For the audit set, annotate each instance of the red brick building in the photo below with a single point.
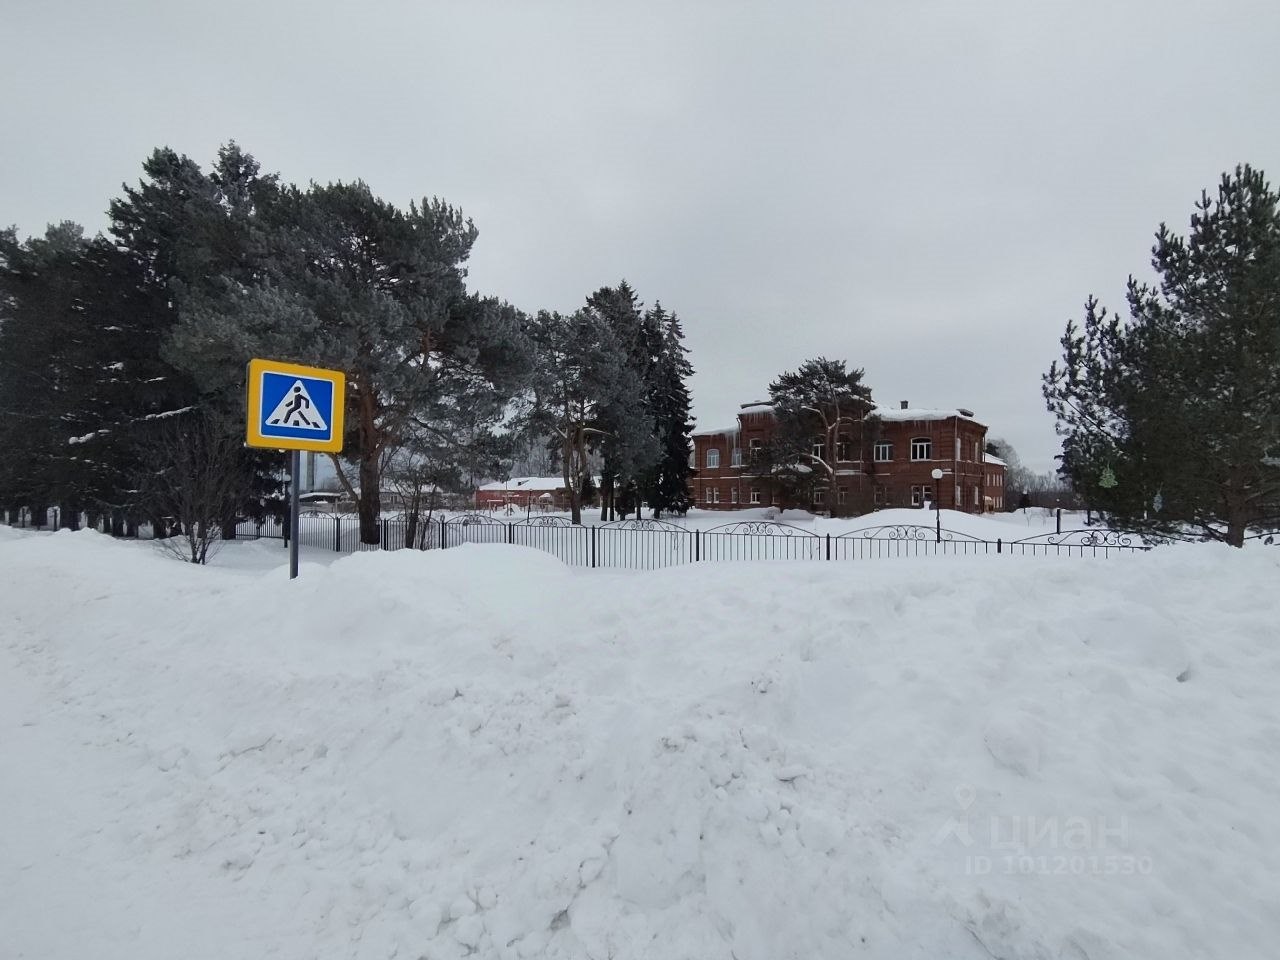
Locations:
(886, 459)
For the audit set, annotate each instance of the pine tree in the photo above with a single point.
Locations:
(189, 238)
(580, 374)
(350, 282)
(822, 412)
(667, 484)
(1170, 421)
(627, 439)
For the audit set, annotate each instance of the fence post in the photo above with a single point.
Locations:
(337, 534)
(511, 533)
(1059, 520)
(999, 545)
(828, 546)
(593, 547)
(697, 545)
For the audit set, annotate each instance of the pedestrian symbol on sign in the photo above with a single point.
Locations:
(295, 409)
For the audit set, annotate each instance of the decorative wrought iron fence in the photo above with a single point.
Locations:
(645, 544)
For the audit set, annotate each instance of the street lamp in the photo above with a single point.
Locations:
(937, 505)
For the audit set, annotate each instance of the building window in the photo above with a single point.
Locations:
(713, 459)
(977, 454)
(733, 494)
(921, 494)
(737, 457)
(706, 494)
(883, 451)
(977, 494)
(959, 497)
(957, 448)
(842, 495)
(819, 496)
(921, 448)
(819, 449)
(755, 495)
(755, 445)
(879, 495)
(842, 448)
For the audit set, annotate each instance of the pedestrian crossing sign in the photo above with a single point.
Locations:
(292, 407)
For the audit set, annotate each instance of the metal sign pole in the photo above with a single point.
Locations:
(295, 482)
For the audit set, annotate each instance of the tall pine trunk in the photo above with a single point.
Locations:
(370, 505)
(571, 488)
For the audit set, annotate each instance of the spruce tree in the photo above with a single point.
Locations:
(1171, 419)
(667, 483)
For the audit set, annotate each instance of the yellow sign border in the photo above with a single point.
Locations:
(253, 412)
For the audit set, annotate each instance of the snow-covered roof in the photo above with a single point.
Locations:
(722, 431)
(757, 408)
(525, 483)
(990, 458)
(899, 415)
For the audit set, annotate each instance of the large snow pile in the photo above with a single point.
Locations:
(483, 753)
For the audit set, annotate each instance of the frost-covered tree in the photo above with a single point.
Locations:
(1171, 419)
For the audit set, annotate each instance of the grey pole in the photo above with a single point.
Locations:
(295, 481)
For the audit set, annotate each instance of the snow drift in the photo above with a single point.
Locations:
(483, 753)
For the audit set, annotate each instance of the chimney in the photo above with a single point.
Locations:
(905, 404)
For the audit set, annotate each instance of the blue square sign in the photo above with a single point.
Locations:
(292, 407)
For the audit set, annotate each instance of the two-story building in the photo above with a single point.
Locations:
(885, 459)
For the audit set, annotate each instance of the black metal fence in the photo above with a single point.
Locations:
(652, 544)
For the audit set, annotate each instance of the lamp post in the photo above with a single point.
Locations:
(937, 505)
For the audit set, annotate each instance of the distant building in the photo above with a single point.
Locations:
(884, 460)
(547, 493)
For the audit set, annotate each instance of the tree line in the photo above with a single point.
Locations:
(123, 355)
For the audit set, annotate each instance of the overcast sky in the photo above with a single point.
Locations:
(927, 190)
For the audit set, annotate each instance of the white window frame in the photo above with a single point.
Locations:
(713, 458)
(921, 445)
(819, 496)
(883, 452)
(977, 496)
(706, 494)
(842, 448)
(733, 494)
(959, 495)
(842, 494)
(755, 495)
(957, 448)
(735, 458)
(819, 448)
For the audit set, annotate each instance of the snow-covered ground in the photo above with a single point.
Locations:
(481, 752)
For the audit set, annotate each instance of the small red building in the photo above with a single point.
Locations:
(885, 459)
